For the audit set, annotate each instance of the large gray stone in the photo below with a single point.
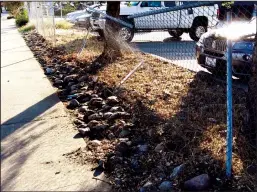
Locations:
(165, 186)
(198, 183)
(73, 104)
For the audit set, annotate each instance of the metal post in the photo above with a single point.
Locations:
(229, 103)
(36, 8)
(61, 9)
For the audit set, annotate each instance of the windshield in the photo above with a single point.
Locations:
(133, 3)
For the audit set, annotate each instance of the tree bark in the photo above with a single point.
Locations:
(111, 46)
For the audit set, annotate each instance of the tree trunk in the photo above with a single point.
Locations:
(111, 46)
(252, 97)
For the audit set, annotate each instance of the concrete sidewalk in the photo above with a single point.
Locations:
(35, 128)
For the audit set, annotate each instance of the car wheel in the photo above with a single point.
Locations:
(197, 30)
(126, 34)
(176, 33)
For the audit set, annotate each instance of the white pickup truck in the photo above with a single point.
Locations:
(194, 21)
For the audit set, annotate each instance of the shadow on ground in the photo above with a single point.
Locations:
(28, 115)
(13, 150)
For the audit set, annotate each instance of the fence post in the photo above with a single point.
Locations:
(229, 103)
(61, 9)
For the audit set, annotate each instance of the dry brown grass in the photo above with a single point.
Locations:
(73, 40)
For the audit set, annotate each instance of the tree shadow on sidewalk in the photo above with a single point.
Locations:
(10, 126)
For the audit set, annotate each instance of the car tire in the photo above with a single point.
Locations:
(176, 33)
(197, 30)
(126, 34)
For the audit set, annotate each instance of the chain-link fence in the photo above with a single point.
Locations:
(41, 14)
(189, 64)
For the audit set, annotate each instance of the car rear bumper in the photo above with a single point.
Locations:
(239, 67)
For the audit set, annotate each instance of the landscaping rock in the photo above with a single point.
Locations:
(83, 78)
(83, 109)
(78, 122)
(74, 96)
(87, 114)
(83, 98)
(73, 104)
(95, 116)
(112, 100)
(124, 133)
(84, 88)
(135, 164)
(198, 183)
(93, 123)
(148, 184)
(177, 171)
(89, 93)
(159, 148)
(49, 71)
(111, 136)
(106, 107)
(108, 115)
(94, 79)
(116, 108)
(251, 170)
(212, 120)
(74, 91)
(73, 87)
(84, 131)
(58, 82)
(117, 115)
(96, 102)
(70, 84)
(70, 78)
(117, 181)
(143, 148)
(94, 143)
(95, 96)
(165, 186)
(123, 149)
(100, 127)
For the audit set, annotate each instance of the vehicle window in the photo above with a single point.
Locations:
(151, 4)
(169, 3)
(154, 3)
(133, 3)
(187, 2)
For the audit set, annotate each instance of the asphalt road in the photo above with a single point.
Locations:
(180, 52)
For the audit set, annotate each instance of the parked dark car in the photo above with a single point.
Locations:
(211, 49)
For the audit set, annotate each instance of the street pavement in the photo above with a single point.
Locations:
(36, 130)
(180, 52)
